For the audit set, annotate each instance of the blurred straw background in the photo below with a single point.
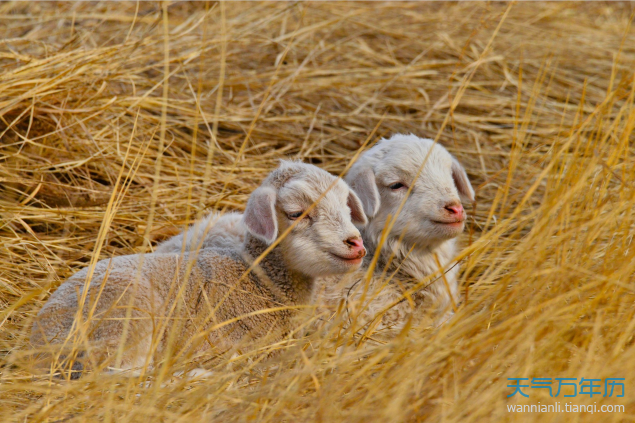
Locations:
(122, 122)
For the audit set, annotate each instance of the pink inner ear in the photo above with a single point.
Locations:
(357, 211)
(462, 182)
(260, 214)
(363, 183)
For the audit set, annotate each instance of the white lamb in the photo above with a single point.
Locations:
(427, 226)
(167, 307)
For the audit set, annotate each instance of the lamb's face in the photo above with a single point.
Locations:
(433, 212)
(325, 241)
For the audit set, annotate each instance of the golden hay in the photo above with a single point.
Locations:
(101, 154)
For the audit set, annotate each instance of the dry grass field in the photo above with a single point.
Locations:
(120, 123)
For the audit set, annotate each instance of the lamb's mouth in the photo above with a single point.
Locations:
(451, 223)
(350, 259)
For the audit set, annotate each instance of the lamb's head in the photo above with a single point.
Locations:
(433, 212)
(325, 240)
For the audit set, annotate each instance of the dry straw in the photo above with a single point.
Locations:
(122, 122)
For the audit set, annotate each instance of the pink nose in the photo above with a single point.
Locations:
(455, 209)
(356, 245)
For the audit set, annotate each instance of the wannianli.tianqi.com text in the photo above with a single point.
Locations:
(567, 387)
(564, 408)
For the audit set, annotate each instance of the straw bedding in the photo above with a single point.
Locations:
(122, 122)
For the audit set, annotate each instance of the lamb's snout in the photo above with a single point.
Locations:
(455, 210)
(356, 246)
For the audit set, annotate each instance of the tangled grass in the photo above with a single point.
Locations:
(122, 122)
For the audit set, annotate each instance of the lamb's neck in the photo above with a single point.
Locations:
(292, 286)
(416, 262)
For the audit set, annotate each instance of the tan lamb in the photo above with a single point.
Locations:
(155, 302)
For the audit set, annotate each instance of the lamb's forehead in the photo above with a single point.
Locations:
(404, 154)
(303, 183)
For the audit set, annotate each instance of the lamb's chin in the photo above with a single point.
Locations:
(340, 266)
(449, 230)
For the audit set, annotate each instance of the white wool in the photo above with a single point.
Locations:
(213, 231)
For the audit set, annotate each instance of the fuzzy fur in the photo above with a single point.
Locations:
(214, 231)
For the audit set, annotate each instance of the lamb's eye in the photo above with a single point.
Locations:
(396, 186)
(294, 216)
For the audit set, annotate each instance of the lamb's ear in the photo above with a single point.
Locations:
(462, 182)
(364, 185)
(357, 210)
(260, 214)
